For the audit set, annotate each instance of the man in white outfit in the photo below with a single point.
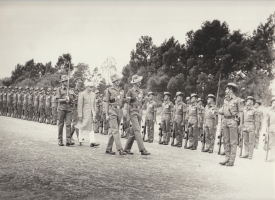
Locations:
(86, 114)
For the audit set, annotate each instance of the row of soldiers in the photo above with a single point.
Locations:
(33, 104)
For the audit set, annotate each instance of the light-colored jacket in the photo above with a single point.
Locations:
(86, 110)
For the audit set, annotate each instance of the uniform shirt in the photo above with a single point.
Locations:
(25, 99)
(98, 105)
(210, 115)
(135, 100)
(41, 100)
(19, 98)
(271, 117)
(150, 110)
(36, 100)
(14, 98)
(115, 97)
(48, 101)
(167, 107)
(258, 115)
(249, 115)
(180, 108)
(232, 107)
(30, 99)
(53, 101)
(4, 97)
(9, 97)
(193, 112)
(1, 96)
(61, 93)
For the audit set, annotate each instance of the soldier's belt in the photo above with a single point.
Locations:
(114, 106)
(167, 113)
(229, 117)
(134, 106)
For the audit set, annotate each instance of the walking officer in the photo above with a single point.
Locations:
(258, 122)
(114, 101)
(54, 107)
(25, 103)
(270, 119)
(166, 118)
(134, 114)
(41, 106)
(36, 105)
(232, 110)
(150, 117)
(78, 88)
(194, 117)
(64, 96)
(210, 123)
(248, 127)
(48, 110)
(179, 118)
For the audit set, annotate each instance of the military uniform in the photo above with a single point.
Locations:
(210, 125)
(48, 110)
(150, 118)
(258, 123)
(36, 105)
(41, 106)
(231, 109)
(270, 119)
(4, 101)
(248, 129)
(14, 102)
(19, 103)
(105, 122)
(179, 120)
(54, 107)
(166, 120)
(25, 103)
(1, 100)
(98, 108)
(9, 102)
(30, 105)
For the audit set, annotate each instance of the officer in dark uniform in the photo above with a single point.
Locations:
(232, 110)
(135, 99)
(97, 110)
(78, 88)
(64, 110)
(105, 122)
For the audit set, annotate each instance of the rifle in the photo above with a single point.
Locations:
(144, 132)
(160, 133)
(173, 135)
(101, 127)
(266, 140)
(220, 142)
(186, 136)
(203, 139)
(241, 141)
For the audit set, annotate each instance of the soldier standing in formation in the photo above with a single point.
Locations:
(114, 102)
(30, 104)
(248, 127)
(1, 99)
(14, 102)
(35, 105)
(270, 119)
(19, 102)
(64, 110)
(134, 114)
(194, 117)
(166, 118)
(5, 101)
(258, 122)
(25, 103)
(9, 101)
(48, 98)
(54, 107)
(150, 118)
(78, 88)
(232, 110)
(210, 123)
(179, 119)
(41, 106)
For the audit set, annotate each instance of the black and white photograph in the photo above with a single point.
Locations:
(137, 100)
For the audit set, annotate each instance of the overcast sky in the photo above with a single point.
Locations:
(93, 31)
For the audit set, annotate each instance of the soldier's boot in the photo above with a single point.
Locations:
(251, 149)
(230, 164)
(244, 156)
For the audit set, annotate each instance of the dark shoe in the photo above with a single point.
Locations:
(122, 153)
(144, 152)
(210, 151)
(193, 148)
(245, 156)
(110, 152)
(165, 143)
(68, 144)
(146, 140)
(223, 163)
(256, 147)
(150, 141)
(94, 144)
(123, 136)
(189, 147)
(160, 142)
(72, 143)
(179, 145)
(205, 150)
(222, 154)
(61, 144)
(129, 152)
(80, 143)
(230, 164)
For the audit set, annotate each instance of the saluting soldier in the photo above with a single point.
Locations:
(25, 103)
(258, 122)
(42, 102)
(270, 119)
(78, 88)
(36, 104)
(248, 127)
(166, 118)
(30, 104)
(5, 101)
(134, 114)
(9, 101)
(210, 122)
(179, 118)
(194, 116)
(97, 110)
(232, 110)
(54, 107)
(114, 101)
(1, 99)
(48, 112)
(150, 117)
(64, 110)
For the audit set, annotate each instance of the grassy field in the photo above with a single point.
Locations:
(33, 166)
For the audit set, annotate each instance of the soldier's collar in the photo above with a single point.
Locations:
(232, 96)
(249, 107)
(179, 102)
(115, 87)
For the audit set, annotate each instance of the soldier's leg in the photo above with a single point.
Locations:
(272, 142)
(212, 138)
(163, 127)
(207, 137)
(226, 139)
(150, 131)
(257, 134)
(68, 117)
(178, 134)
(246, 142)
(233, 129)
(251, 142)
(61, 117)
(114, 134)
(196, 136)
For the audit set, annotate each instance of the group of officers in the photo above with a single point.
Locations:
(119, 115)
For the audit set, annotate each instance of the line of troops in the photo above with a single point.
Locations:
(119, 112)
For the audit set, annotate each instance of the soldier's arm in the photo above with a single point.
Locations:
(240, 111)
(155, 112)
(107, 95)
(184, 109)
(58, 96)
